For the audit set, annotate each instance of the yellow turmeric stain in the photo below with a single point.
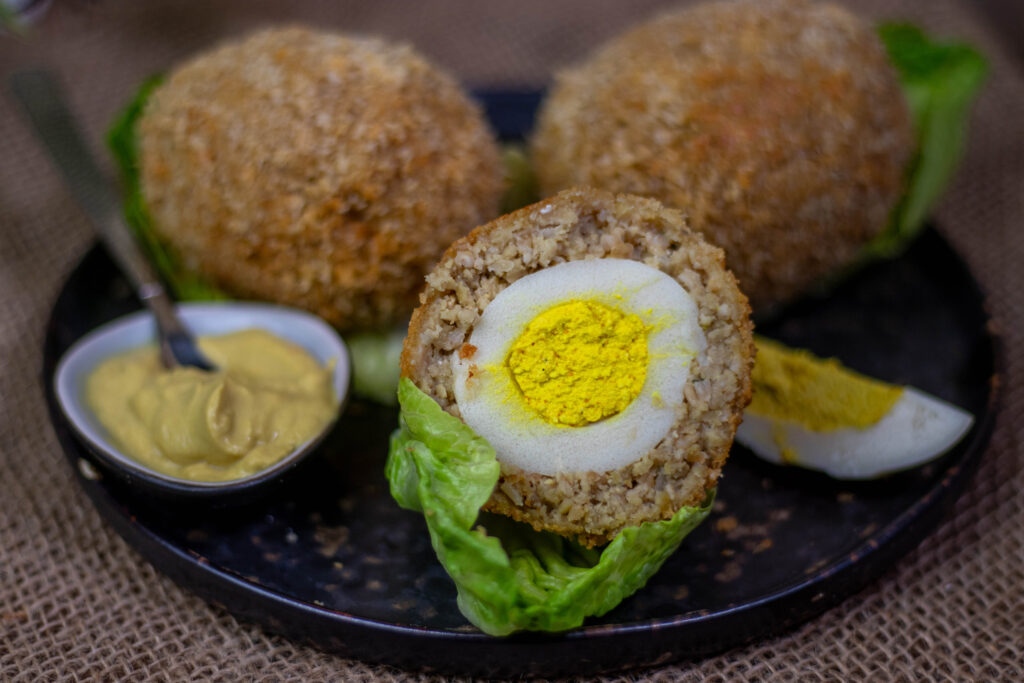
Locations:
(580, 362)
(820, 394)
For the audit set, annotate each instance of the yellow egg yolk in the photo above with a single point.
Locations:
(821, 394)
(580, 362)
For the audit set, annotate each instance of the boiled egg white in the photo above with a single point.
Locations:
(493, 404)
(915, 429)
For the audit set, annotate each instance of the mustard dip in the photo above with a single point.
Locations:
(266, 397)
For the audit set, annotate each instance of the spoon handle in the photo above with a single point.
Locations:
(40, 96)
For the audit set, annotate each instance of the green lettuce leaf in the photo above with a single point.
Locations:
(510, 577)
(11, 21)
(940, 81)
(521, 186)
(375, 363)
(184, 283)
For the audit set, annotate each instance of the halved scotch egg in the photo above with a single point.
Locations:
(600, 347)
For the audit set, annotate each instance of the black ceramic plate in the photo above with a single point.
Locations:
(330, 559)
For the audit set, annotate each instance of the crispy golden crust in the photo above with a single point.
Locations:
(318, 170)
(777, 126)
(588, 224)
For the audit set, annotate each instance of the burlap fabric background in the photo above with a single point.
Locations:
(77, 603)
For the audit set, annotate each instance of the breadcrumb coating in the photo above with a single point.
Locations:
(590, 224)
(318, 170)
(777, 126)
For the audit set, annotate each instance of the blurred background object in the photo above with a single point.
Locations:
(16, 15)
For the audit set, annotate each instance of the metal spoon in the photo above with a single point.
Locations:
(47, 110)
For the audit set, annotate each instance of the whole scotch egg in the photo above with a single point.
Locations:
(778, 126)
(601, 348)
(320, 170)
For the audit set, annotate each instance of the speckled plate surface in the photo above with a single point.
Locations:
(330, 559)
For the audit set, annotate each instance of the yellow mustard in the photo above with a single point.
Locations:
(266, 397)
(580, 362)
(821, 394)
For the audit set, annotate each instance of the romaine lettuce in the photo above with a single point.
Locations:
(510, 577)
(940, 81)
(520, 180)
(375, 360)
(187, 285)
